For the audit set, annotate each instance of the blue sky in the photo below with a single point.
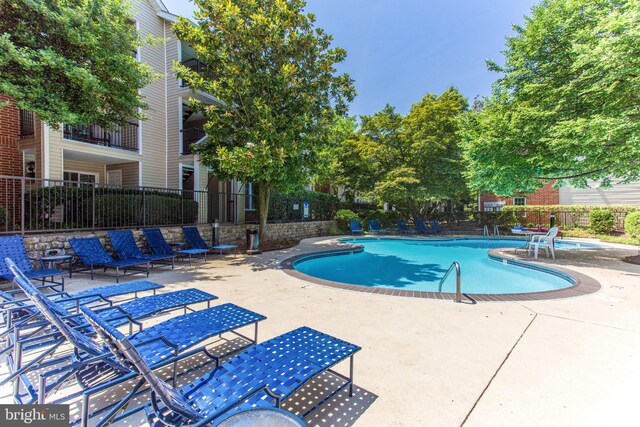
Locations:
(398, 50)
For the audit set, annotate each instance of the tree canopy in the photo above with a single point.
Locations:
(72, 61)
(567, 106)
(274, 73)
(411, 162)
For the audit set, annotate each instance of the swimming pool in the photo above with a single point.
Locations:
(420, 264)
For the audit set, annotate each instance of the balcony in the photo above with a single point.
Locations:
(199, 67)
(123, 137)
(27, 124)
(191, 136)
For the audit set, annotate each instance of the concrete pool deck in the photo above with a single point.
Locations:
(573, 361)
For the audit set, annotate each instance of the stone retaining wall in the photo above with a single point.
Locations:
(228, 234)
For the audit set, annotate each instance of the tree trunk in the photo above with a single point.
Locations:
(264, 191)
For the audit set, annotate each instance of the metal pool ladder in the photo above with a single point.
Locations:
(453, 265)
(496, 230)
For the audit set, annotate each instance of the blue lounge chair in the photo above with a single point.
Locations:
(93, 255)
(92, 364)
(355, 227)
(131, 312)
(421, 227)
(13, 247)
(13, 309)
(159, 246)
(264, 374)
(403, 228)
(195, 240)
(125, 246)
(374, 227)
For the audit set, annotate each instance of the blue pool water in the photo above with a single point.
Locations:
(419, 265)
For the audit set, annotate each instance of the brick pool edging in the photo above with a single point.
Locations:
(583, 284)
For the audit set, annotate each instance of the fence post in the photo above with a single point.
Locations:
(23, 188)
(182, 207)
(93, 207)
(144, 208)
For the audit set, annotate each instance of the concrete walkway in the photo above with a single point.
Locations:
(428, 362)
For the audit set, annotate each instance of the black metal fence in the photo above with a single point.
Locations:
(34, 205)
(124, 137)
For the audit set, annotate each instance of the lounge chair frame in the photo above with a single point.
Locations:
(159, 246)
(91, 254)
(13, 247)
(124, 244)
(282, 346)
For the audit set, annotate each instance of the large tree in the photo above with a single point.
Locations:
(274, 72)
(412, 162)
(72, 61)
(567, 107)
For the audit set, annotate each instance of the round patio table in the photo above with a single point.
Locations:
(51, 260)
(263, 417)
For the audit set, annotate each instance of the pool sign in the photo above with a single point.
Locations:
(305, 207)
(296, 207)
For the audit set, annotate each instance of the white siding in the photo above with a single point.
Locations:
(619, 194)
(174, 93)
(153, 130)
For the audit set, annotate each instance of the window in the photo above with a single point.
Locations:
(519, 201)
(249, 199)
(493, 206)
(81, 177)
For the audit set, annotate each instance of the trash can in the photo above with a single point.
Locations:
(253, 241)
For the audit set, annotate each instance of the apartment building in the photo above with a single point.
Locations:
(617, 194)
(547, 195)
(150, 153)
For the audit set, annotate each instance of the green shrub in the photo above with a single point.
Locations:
(503, 218)
(333, 231)
(602, 221)
(322, 206)
(632, 224)
(124, 210)
(343, 216)
(386, 219)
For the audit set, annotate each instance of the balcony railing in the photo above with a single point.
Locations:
(191, 136)
(199, 67)
(27, 124)
(123, 137)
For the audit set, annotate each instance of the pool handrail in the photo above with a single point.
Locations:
(453, 265)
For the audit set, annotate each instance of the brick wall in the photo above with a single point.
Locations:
(10, 155)
(10, 163)
(547, 195)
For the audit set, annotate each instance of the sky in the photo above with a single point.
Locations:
(398, 50)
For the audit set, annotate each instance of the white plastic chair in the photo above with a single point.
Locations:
(546, 241)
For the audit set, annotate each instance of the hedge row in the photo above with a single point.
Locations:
(322, 206)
